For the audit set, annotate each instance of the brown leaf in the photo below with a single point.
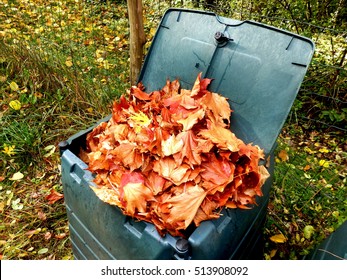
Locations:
(60, 235)
(182, 208)
(134, 193)
(54, 196)
(222, 137)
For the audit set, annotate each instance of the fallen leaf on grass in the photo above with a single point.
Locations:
(54, 196)
(15, 105)
(60, 236)
(14, 86)
(50, 149)
(17, 176)
(278, 238)
(30, 233)
(42, 251)
(308, 231)
(48, 235)
(283, 155)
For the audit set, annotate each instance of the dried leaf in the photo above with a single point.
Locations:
(17, 176)
(15, 105)
(171, 146)
(308, 231)
(182, 208)
(283, 155)
(14, 86)
(54, 196)
(42, 251)
(278, 238)
(134, 193)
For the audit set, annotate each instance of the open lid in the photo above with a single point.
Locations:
(259, 68)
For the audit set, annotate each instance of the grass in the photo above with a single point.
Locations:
(309, 191)
(69, 61)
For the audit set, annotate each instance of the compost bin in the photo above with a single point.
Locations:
(259, 69)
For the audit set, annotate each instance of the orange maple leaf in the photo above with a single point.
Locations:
(222, 137)
(169, 169)
(190, 149)
(182, 208)
(134, 193)
(54, 196)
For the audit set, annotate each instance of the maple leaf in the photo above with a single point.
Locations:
(222, 137)
(128, 155)
(138, 93)
(107, 195)
(182, 208)
(218, 171)
(200, 86)
(97, 161)
(156, 183)
(139, 120)
(92, 138)
(134, 193)
(218, 105)
(191, 119)
(168, 168)
(190, 149)
(118, 110)
(201, 216)
(171, 145)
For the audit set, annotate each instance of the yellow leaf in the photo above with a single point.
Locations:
(324, 163)
(140, 120)
(324, 150)
(106, 64)
(50, 150)
(68, 63)
(278, 238)
(17, 176)
(15, 105)
(14, 86)
(308, 231)
(273, 253)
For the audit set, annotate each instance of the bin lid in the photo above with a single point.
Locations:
(259, 68)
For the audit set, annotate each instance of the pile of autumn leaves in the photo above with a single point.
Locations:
(169, 157)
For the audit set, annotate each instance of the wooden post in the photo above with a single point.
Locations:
(137, 38)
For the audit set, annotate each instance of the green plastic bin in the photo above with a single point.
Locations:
(259, 68)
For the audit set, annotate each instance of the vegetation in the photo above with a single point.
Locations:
(62, 63)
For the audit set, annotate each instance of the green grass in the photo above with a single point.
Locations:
(309, 190)
(70, 61)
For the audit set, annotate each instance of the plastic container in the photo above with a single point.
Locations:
(259, 69)
(334, 247)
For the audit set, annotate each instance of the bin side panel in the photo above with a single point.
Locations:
(101, 231)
